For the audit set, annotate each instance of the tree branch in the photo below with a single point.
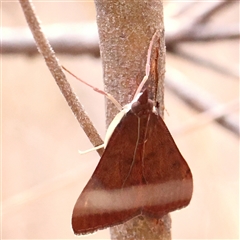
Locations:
(69, 40)
(125, 30)
(73, 39)
(197, 98)
(56, 70)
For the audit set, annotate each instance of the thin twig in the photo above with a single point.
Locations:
(205, 34)
(210, 9)
(187, 30)
(56, 70)
(69, 41)
(204, 61)
(197, 98)
(72, 39)
(206, 117)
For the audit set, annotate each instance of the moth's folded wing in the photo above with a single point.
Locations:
(106, 201)
(168, 176)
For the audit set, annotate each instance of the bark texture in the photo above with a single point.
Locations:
(125, 31)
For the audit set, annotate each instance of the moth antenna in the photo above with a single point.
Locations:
(109, 96)
(147, 69)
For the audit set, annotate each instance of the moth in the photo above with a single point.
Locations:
(140, 172)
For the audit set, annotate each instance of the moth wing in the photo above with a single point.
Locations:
(106, 200)
(169, 183)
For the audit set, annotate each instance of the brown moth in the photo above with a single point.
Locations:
(140, 172)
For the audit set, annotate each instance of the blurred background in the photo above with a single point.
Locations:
(42, 171)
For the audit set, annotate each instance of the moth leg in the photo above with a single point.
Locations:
(92, 149)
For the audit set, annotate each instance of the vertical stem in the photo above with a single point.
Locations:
(125, 30)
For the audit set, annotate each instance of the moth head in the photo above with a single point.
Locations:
(142, 105)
